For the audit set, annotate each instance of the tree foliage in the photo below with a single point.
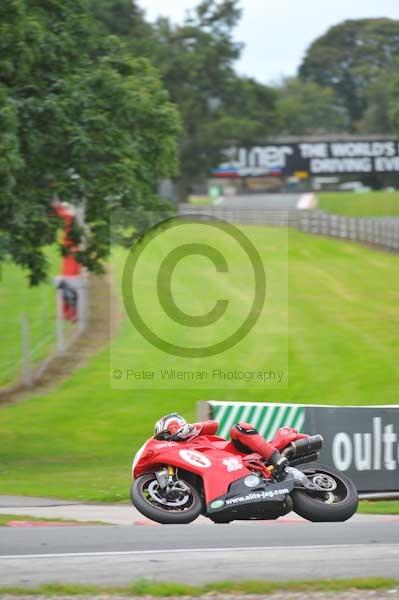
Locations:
(381, 114)
(82, 119)
(304, 108)
(349, 57)
(89, 92)
(249, 111)
(218, 107)
(125, 19)
(196, 61)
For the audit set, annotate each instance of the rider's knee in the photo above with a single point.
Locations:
(241, 436)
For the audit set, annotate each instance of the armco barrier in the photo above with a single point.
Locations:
(362, 442)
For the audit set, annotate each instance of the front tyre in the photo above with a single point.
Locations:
(177, 506)
(337, 499)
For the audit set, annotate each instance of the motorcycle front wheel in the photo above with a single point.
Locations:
(176, 506)
(336, 500)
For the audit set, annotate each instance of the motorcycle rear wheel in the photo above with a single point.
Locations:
(151, 501)
(339, 504)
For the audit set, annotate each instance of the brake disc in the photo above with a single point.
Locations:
(324, 482)
(154, 491)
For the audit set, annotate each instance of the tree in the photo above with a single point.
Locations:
(394, 103)
(195, 61)
(249, 109)
(80, 118)
(218, 107)
(305, 108)
(349, 57)
(382, 102)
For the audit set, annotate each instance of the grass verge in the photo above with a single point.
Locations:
(201, 200)
(351, 204)
(5, 519)
(390, 507)
(164, 590)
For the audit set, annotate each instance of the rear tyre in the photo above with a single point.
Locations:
(181, 507)
(335, 504)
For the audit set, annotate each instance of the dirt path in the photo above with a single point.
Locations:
(97, 335)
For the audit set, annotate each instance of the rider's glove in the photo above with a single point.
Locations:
(185, 432)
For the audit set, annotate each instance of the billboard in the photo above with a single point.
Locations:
(362, 442)
(322, 158)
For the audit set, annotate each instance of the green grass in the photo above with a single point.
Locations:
(39, 306)
(78, 441)
(379, 508)
(165, 590)
(5, 519)
(351, 204)
(201, 200)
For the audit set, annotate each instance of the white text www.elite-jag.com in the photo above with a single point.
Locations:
(257, 496)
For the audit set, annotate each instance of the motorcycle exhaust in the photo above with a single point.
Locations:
(304, 460)
(303, 447)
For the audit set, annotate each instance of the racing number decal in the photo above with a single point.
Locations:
(194, 458)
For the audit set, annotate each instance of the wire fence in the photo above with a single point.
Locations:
(27, 322)
(33, 329)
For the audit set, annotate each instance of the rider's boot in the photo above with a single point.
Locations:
(247, 439)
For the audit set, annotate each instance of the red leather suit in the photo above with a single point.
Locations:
(244, 436)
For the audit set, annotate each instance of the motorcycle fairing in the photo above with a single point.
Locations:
(265, 500)
(213, 460)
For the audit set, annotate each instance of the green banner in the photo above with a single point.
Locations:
(267, 418)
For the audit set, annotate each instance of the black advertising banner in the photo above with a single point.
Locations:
(314, 158)
(361, 442)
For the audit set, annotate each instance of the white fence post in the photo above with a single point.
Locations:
(370, 230)
(26, 357)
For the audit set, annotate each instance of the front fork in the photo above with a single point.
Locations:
(165, 477)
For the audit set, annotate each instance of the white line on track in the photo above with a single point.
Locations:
(191, 550)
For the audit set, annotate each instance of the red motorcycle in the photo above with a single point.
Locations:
(176, 482)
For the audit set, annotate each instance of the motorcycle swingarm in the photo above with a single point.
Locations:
(301, 481)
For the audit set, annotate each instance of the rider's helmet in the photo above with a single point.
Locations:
(173, 427)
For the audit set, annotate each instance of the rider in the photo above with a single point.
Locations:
(244, 436)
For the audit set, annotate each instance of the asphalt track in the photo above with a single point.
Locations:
(201, 552)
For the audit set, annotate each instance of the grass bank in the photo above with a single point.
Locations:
(343, 312)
